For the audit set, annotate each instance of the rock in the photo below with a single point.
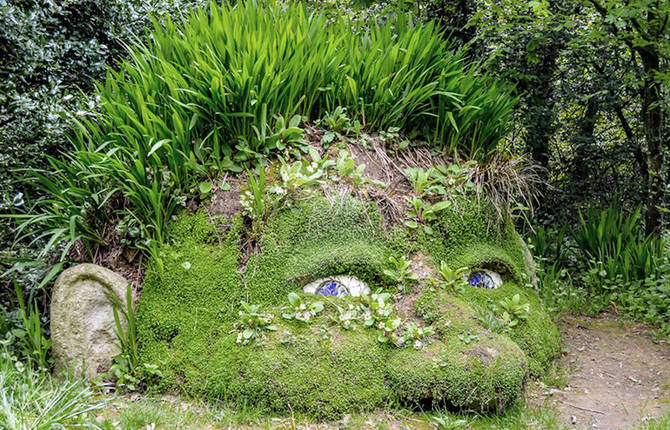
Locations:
(82, 319)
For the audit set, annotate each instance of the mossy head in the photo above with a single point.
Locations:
(422, 310)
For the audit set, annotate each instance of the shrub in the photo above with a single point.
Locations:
(606, 260)
(616, 243)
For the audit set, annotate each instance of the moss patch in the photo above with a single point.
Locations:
(315, 239)
(537, 336)
(464, 238)
(485, 375)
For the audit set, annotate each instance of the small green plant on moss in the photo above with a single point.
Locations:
(261, 200)
(417, 336)
(377, 313)
(302, 311)
(346, 317)
(421, 212)
(468, 338)
(253, 324)
(453, 278)
(205, 189)
(346, 166)
(514, 310)
(490, 321)
(400, 272)
(386, 331)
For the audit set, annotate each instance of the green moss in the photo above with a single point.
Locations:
(483, 376)
(463, 237)
(323, 378)
(427, 305)
(315, 239)
(537, 335)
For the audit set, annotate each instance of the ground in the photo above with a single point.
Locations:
(614, 374)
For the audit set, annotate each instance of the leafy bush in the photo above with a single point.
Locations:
(52, 52)
(616, 243)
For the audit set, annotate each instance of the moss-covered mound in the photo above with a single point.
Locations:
(469, 356)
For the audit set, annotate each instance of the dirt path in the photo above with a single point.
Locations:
(617, 377)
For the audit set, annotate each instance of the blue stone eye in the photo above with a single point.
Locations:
(482, 280)
(332, 288)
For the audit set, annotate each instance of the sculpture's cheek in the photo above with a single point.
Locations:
(486, 375)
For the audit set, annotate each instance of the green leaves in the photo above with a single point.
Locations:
(252, 324)
(301, 311)
(205, 188)
(34, 342)
(127, 363)
(615, 242)
(230, 87)
(514, 310)
(453, 278)
(401, 272)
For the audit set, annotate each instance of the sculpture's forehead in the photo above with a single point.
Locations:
(347, 232)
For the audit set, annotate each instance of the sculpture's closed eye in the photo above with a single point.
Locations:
(485, 279)
(338, 286)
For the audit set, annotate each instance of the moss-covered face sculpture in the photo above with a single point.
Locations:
(241, 328)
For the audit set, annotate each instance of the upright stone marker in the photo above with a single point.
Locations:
(82, 319)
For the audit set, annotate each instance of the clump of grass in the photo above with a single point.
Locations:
(30, 399)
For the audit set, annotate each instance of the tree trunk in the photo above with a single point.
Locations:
(652, 121)
(582, 142)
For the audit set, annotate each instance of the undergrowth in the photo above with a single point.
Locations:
(606, 262)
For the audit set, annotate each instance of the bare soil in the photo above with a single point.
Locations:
(226, 202)
(617, 375)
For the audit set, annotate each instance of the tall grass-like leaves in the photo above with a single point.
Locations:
(616, 240)
(32, 400)
(35, 344)
(76, 197)
(197, 89)
(127, 336)
(210, 92)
